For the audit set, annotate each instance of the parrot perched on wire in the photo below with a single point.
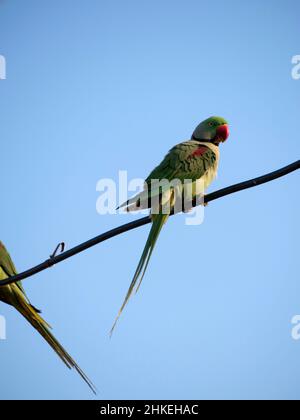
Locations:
(14, 295)
(194, 160)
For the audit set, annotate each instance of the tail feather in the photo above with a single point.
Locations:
(148, 197)
(157, 223)
(43, 328)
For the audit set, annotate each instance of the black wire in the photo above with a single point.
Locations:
(55, 259)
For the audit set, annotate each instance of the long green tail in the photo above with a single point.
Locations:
(158, 220)
(20, 303)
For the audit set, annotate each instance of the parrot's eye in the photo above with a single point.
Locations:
(211, 124)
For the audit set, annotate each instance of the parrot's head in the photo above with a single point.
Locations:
(214, 130)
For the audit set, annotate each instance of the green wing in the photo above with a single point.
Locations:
(6, 262)
(183, 163)
(7, 265)
(187, 160)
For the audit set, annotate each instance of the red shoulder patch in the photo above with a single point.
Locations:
(199, 151)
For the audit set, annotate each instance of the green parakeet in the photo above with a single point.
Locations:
(194, 160)
(15, 296)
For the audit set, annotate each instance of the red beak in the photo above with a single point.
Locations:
(223, 132)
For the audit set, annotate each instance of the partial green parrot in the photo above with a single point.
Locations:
(15, 296)
(194, 160)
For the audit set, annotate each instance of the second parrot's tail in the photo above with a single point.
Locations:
(32, 316)
(158, 220)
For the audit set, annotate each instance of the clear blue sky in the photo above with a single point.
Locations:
(95, 87)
